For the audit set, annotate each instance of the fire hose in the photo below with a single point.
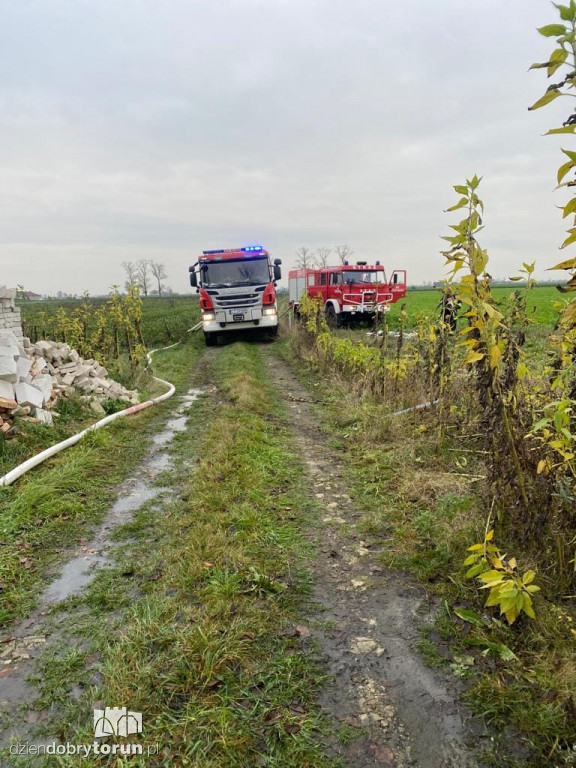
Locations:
(418, 407)
(34, 461)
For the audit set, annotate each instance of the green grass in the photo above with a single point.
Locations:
(425, 302)
(211, 584)
(429, 651)
(52, 506)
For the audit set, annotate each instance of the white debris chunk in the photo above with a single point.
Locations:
(28, 395)
(8, 369)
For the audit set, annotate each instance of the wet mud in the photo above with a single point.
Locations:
(367, 627)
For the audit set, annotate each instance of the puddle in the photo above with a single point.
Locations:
(160, 462)
(92, 556)
(177, 423)
(76, 574)
(81, 570)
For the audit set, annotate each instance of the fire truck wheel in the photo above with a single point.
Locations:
(210, 339)
(331, 317)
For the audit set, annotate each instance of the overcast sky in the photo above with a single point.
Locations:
(157, 128)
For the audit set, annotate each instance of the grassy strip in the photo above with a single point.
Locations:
(208, 651)
(423, 505)
(52, 506)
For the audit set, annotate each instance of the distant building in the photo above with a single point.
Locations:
(31, 296)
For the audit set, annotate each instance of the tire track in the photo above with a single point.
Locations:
(407, 713)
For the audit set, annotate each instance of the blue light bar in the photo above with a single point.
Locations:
(251, 248)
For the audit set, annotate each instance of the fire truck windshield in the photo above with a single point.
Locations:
(361, 276)
(231, 272)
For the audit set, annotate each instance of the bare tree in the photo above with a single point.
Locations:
(143, 274)
(304, 258)
(321, 257)
(159, 273)
(344, 252)
(131, 274)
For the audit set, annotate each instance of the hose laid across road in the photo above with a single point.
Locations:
(26, 466)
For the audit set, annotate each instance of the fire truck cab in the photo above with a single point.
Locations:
(348, 291)
(237, 288)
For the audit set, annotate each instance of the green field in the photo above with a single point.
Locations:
(165, 320)
(425, 302)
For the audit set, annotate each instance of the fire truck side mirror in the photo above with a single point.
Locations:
(277, 271)
(193, 278)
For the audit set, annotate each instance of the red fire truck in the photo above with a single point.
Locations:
(237, 288)
(348, 291)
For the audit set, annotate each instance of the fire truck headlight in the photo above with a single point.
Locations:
(269, 311)
(208, 316)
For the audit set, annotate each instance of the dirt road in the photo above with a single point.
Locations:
(372, 617)
(386, 707)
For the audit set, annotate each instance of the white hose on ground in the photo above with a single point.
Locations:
(26, 466)
(428, 404)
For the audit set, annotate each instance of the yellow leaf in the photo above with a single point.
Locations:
(492, 577)
(568, 264)
(473, 357)
(495, 355)
(512, 615)
(569, 240)
(512, 563)
(528, 609)
(564, 169)
(489, 536)
(543, 100)
(569, 208)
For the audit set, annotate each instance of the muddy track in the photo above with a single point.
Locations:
(371, 617)
(25, 641)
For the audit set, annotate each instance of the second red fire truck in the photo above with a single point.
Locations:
(348, 291)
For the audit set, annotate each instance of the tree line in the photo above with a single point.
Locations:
(143, 273)
(306, 258)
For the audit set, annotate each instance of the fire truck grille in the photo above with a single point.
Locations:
(238, 300)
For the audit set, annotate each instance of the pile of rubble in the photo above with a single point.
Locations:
(33, 377)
